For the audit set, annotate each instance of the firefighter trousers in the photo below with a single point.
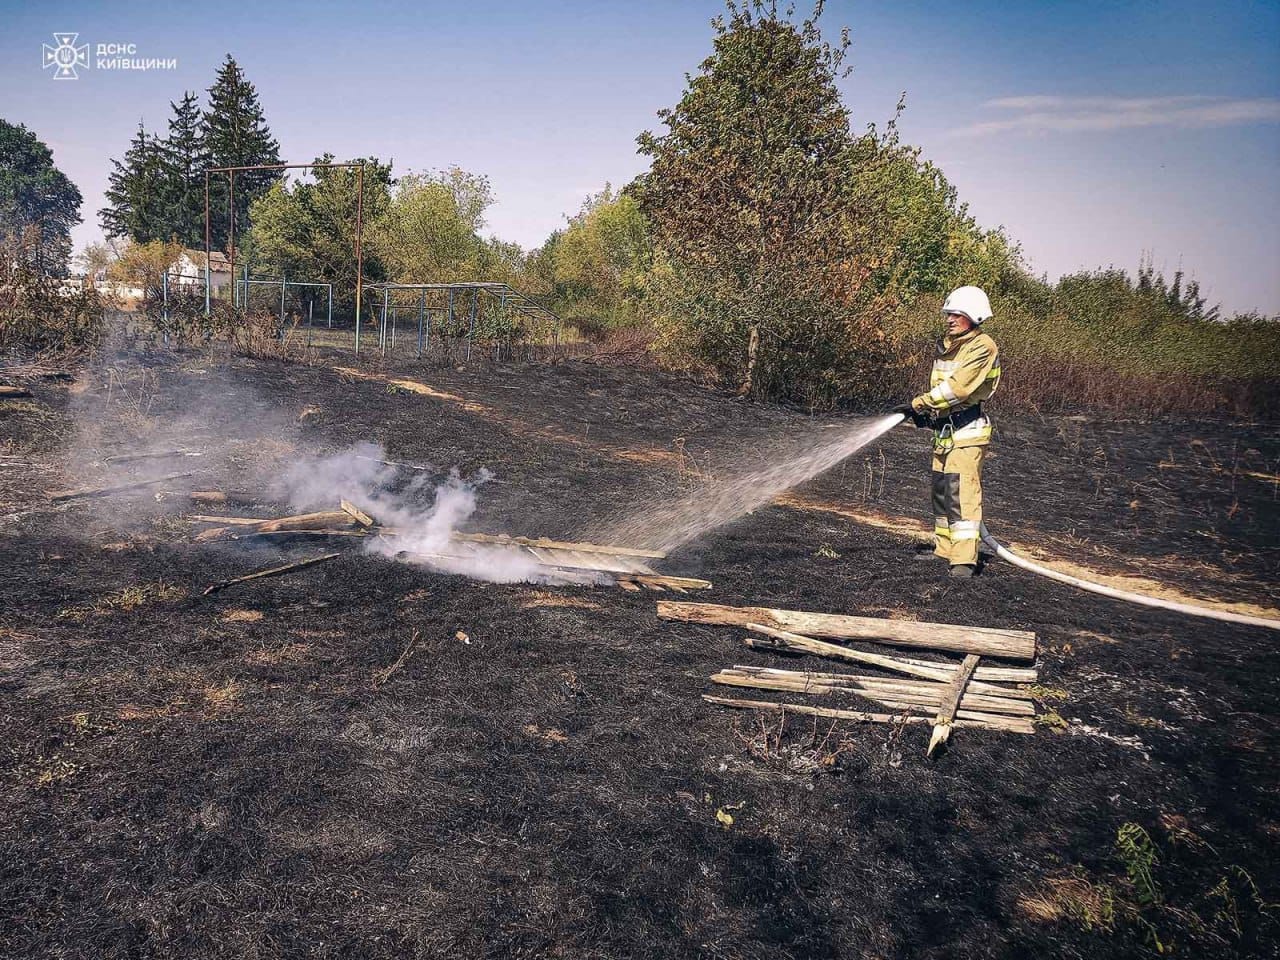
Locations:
(957, 503)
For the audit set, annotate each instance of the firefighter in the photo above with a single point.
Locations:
(966, 371)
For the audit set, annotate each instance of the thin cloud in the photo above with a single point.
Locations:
(1048, 114)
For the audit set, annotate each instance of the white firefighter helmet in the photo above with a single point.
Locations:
(970, 301)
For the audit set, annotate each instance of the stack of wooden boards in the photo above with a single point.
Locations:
(626, 567)
(942, 692)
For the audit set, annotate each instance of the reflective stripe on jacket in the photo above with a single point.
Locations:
(965, 372)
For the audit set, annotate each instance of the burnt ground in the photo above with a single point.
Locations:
(241, 776)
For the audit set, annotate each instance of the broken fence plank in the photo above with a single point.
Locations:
(915, 695)
(13, 393)
(358, 515)
(986, 641)
(946, 717)
(559, 545)
(930, 686)
(93, 492)
(270, 572)
(231, 521)
(940, 673)
(1011, 725)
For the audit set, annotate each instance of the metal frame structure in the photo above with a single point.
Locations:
(242, 287)
(507, 296)
(231, 231)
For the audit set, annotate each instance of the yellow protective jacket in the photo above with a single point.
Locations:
(965, 372)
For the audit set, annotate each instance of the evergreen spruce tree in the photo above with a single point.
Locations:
(136, 192)
(184, 162)
(236, 134)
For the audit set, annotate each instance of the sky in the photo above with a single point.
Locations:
(1094, 133)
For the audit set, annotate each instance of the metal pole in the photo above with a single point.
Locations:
(310, 311)
(164, 309)
(231, 235)
(422, 309)
(330, 306)
(359, 251)
(282, 298)
(502, 315)
(207, 278)
(382, 337)
(471, 327)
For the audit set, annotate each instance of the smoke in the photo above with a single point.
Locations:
(421, 509)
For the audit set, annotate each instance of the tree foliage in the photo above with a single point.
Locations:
(431, 229)
(236, 134)
(35, 196)
(307, 229)
(156, 189)
(764, 218)
(600, 262)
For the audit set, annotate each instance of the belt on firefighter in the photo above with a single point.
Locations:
(959, 418)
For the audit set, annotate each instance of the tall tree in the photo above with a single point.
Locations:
(747, 195)
(36, 196)
(136, 192)
(236, 134)
(185, 158)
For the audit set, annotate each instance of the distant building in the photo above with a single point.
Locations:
(188, 271)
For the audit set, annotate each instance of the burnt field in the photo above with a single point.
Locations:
(368, 758)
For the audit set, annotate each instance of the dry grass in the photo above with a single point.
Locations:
(124, 601)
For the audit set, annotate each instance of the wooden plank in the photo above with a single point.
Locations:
(358, 515)
(986, 641)
(616, 551)
(322, 520)
(93, 492)
(946, 717)
(1006, 724)
(230, 521)
(992, 674)
(13, 393)
(794, 642)
(673, 583)
(873, 691)
(928, 686)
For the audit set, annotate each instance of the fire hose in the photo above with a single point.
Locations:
(1188, 609)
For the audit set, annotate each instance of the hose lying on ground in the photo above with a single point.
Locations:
(1186, 608)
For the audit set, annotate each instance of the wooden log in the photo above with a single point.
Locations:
(269, 572)
(13, 393)
(915, 695)
(946, 717)
(616, 551)
(1012, 644)
(1006, 724)
(93, 492)
(358, 515)
(782, 641)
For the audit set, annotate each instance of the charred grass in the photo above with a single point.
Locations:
(369, 759)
